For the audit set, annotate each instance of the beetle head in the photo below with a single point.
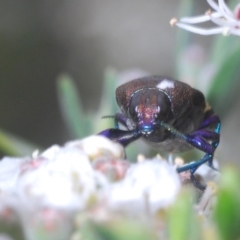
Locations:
(147, 108)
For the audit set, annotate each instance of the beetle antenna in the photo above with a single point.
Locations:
(172, 130)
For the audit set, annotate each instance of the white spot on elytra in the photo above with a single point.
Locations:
(165, 84)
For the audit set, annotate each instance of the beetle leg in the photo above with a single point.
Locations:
(124, 137)
(206, 134)
(195, 139)
(213, 119)
(199, 142)
(192, 167)
(214, 137)
(121, 136)
(120, 118)
(199, 139)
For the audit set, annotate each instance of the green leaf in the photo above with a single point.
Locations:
(108, 105)
(71, 107)
(117, 230)
(109, 87)
(6, 146)
(222, 48)
(182, 222)
(15, 146)
(227, 211)
(225, 86)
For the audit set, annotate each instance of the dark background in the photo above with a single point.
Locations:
(41, 39)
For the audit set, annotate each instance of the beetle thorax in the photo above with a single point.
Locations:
(148, 107)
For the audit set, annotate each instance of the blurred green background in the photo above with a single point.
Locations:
(40, 40)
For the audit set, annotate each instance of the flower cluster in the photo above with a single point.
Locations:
(227, 21)
(44, 192)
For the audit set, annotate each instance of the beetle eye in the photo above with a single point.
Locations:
(164, 105)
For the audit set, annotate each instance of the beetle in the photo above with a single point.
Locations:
(168, 115)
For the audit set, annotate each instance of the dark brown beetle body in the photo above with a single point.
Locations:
(186, 109)
(167, 114)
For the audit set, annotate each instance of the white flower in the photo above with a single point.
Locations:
(98, 147)
(147, 187)
(10, 169)
(227, 21)
(208, 174)
(66, 180)
(60, 177)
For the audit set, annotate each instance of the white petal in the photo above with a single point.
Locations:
(98, 146)
(208, 174)
(66, 181)
(234, 31)
(213, 5)
(202, 31)
(199, 19)
(225, 23)
(224, 7)
(148, 186)
(10, 168)
(49, 153)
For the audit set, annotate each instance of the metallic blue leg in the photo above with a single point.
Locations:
(202, 139)
(120, 118)
(192, 167)
(121, 136)
(213, 119)
(124, 137)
